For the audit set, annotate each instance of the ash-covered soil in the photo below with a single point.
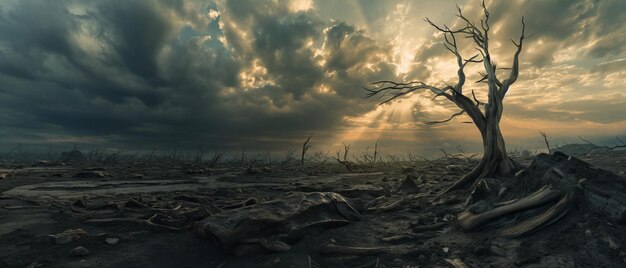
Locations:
(129, 215)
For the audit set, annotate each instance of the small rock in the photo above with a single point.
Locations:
(502, 191)
(68, 236)
(408, 186)
(3, 176)
(79, 252)
(445, 249)
(112, 240)
(136, 175)
(612, 244)
(588, 233)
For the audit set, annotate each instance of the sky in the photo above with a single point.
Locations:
(262, 75)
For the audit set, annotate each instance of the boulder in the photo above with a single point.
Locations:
(286, 218)
(68, 236)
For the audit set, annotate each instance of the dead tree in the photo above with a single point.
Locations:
(305, 147)
(375, 151)
(486, 116)
(545, 139)
(346, 149)
(289, 156)
(619, 145)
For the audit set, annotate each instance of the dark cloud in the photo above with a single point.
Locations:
(150, 73)
(257, 74)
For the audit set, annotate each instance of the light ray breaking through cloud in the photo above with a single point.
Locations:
(263, 74)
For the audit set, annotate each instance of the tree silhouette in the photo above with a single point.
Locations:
(486, 116)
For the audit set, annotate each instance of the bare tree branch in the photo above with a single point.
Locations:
(545, 139)
(445, 120)
(603, 147)
(515, 67)
(305, 147)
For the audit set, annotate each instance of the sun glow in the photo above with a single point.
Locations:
(301, 5)
(398, 115)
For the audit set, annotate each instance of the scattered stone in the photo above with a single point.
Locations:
(502, 191)
(79, 252)
(612, 244)
(408, 186)
(68, 236)
(111, 240)
(3, 176)
(588, 233)
(42, 163)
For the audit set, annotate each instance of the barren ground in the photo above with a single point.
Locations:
(37, 202)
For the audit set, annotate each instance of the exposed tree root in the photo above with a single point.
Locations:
(551, 215)
(563, 181)
(469, 221)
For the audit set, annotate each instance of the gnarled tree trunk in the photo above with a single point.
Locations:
(486, 116)
(495, 160)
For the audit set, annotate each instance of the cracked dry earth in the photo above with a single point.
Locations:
(143, 215)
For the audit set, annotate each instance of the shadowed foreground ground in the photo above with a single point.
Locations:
(400, 225)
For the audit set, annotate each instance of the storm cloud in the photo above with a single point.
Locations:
(262, 74)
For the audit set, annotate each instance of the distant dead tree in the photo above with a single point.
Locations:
(305, 147)
(486, 116)
(346, 149)
(619, 145)
(375, 151)
(371, 157)
(545, 139)
(289, 156)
